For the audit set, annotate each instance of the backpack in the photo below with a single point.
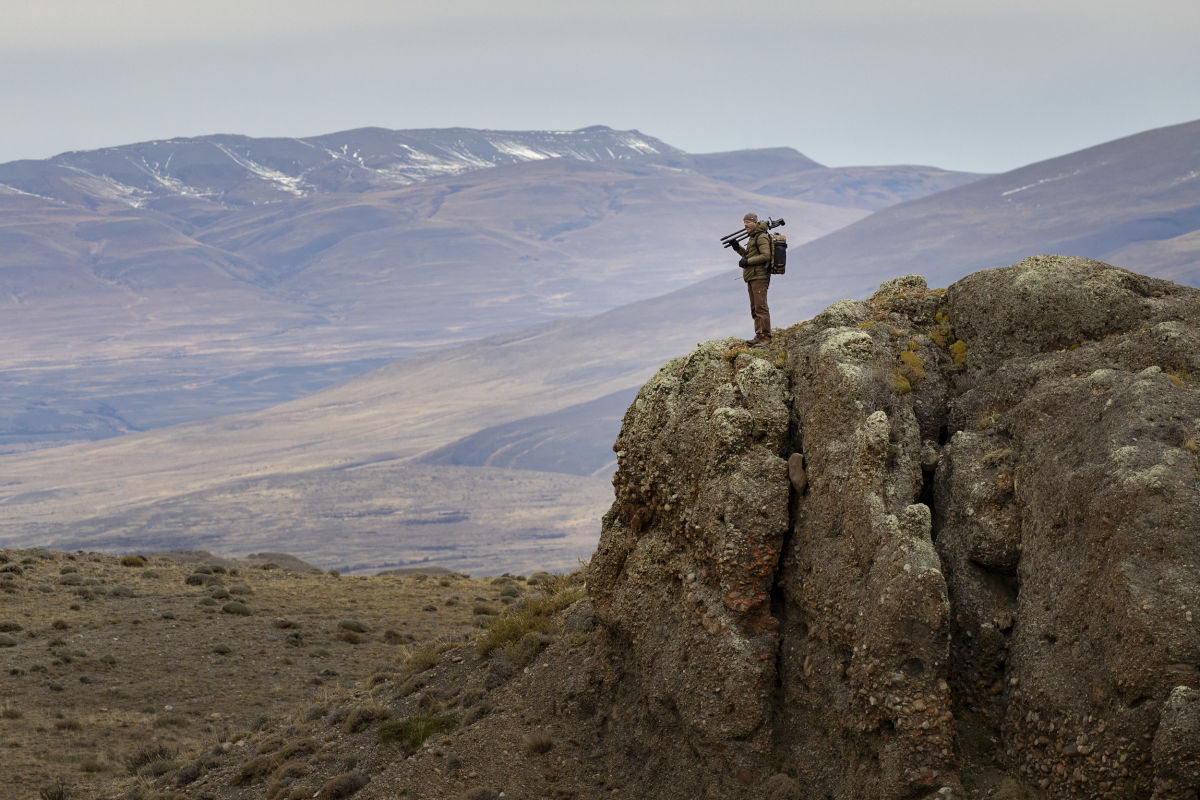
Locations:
(778, 263)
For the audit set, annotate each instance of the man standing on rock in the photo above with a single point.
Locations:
(756, 272)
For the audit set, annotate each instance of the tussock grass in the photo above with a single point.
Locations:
(537, 743)
(150, 758)
(59, 790)
(342, 786)
(363, 716)
(534, 615)
(411, 732)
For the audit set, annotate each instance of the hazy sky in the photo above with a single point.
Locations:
(985, 85)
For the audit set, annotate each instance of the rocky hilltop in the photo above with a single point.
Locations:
(934, 541)
(940, 543)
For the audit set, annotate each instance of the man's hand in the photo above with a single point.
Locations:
(743, 263)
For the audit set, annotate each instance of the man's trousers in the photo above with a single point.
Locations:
(759, 312)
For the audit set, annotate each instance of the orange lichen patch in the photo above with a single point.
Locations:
(741, 601)
(748, 574)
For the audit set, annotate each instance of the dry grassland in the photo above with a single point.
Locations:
(118, 669)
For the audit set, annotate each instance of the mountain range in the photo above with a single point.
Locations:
(421, 451)
(167, 281)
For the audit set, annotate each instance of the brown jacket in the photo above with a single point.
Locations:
(758, 254)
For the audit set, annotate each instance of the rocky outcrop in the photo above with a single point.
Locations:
(927, 543)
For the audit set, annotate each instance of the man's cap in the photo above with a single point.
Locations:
(751, 216)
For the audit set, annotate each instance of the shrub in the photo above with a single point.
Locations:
(352, 625)
(297, 749)
(537, 743)
(421, 660)
(342, 786)
(133, 561)
(378, 678)
(959, 350)
(237, 609)
(911, 366)
(59, 790)
(189, 774)
(262, 765)
(362, 716)
(222, 649)
(523, 651)
(149, 755)
(286, 774)
(253, 770)
(541, 579)
(60, 625)
(411, 732)
(535, 615)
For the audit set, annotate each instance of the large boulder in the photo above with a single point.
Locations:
(925, 542)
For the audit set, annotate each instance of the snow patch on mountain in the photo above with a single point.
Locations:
(292, 184)
(522, 152)
(138, 174)
(105, 187)
(1040, 182)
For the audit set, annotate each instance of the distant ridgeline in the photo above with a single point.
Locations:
(243, 170)
(933, 539)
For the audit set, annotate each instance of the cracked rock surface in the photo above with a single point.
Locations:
(939, 543)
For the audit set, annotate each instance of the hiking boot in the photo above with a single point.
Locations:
(757, 342)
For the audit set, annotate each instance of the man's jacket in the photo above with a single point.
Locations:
(758, 254)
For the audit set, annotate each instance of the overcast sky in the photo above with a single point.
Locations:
(984, 85)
